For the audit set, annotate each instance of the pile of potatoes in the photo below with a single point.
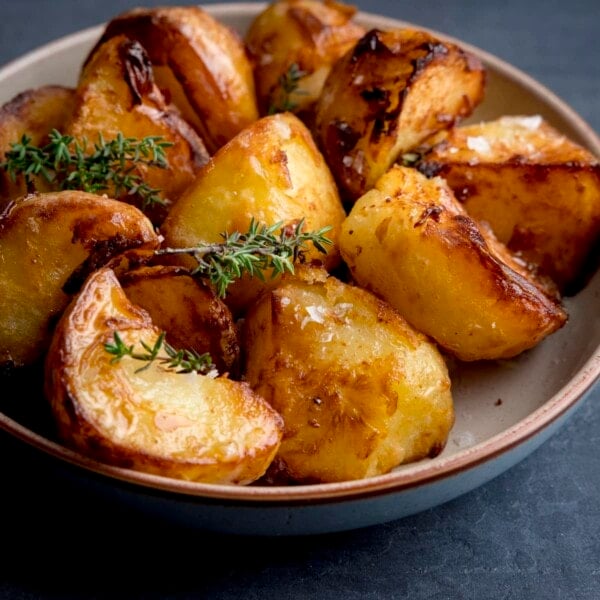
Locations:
(447, 241)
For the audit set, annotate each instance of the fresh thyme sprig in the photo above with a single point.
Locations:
(180, 361)
(259, 249)
(287, 85)
(72, 165)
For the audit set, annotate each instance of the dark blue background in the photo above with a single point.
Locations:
(532, 533)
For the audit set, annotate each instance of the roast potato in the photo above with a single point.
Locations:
(272, 172)
(411, 242)
(35, 113)
(308, 35)
(43, 239)
(188, 426)
(199, 62)
(538, 190)
(187, 310)
(117, 94)
(360, 391)
(385, 96)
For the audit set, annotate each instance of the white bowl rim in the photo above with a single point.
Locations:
(411, 476)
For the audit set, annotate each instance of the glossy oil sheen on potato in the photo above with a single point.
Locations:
(117, 94)
(201, 62)
(34, 113)
(359, 390)
(385, 96)
(43, 239)
(309, 34)
(411, 242)
(271, 172)
(538, 191)
(187, 310)
(187, 426)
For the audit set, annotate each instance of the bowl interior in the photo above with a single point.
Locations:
(497, 403)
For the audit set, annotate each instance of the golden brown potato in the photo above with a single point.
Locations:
(385, 96)
(189, 426)
(117, 94)
(187, 310)
(309, 34)
(538, 191)
(411, 242)
(359, 390)
(200, 63)
(34, 113)
(43, 239)
(272, 172)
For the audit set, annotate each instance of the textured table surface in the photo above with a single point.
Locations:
(532, 533)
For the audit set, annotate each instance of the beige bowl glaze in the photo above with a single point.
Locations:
(538, 391)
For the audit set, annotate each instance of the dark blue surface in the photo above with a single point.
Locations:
(532, 533)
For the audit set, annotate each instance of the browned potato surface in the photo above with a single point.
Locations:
(187, 310)
(272, 172)
(538, 191)
(35, 113)
(385, 96)
(411, 242)
(309, 34)
(359, 390)
(188, 426)
(200, 63)
(117, 94)
(43, 239)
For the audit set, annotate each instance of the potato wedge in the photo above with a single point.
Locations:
(188, 426)
(385, 96)
(360, 391)
(309, 34)
(272, 172)
(117, 94)
(538, 191)
(43, 239)
(199, 62)
(187, 310)
(411, 242)
(35, 113)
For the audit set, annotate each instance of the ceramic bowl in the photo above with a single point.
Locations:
(504, 410)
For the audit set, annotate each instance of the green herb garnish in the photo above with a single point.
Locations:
(259, 249)
(287, 85)
(106, 166)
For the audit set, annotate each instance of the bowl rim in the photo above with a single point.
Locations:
(411, 476)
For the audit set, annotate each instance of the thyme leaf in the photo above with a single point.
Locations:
(287, 85)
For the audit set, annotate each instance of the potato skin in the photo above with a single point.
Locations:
(409, 241)
(201, 62)
(35, 113)
(186, 426)
(187, 310)
(43, 239)
(308, 33)
(117, 94)
(537, 190)
(359, 390)
(272, 172)
(385, 96)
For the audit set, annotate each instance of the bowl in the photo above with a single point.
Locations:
(504, 409)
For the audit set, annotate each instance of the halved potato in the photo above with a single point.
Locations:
(272, 172)
(309, 34)
(360, 391)
(411, 242)
(35, 113)
(187, 310)
(117, 94)
(538, 190)
(152, 419)
(199, 62)
(385, 96)
(43, 239)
